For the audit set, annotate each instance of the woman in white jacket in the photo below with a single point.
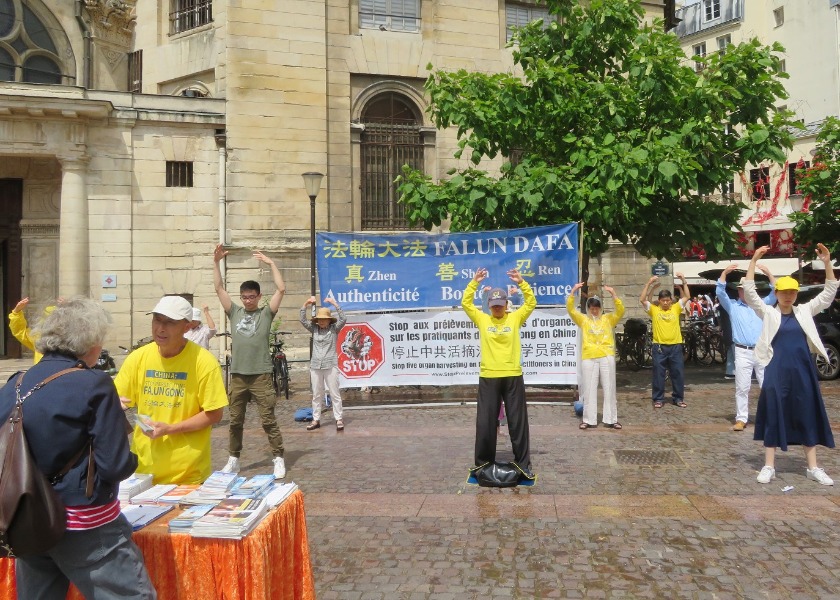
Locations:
(791, 410)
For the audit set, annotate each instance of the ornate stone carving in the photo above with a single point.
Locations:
(113, 20)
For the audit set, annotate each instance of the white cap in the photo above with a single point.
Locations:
(196, 315)
(174, 307)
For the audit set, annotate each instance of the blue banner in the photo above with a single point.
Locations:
(415, 271)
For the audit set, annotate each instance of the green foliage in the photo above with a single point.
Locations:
(820, 186)
(614, 128)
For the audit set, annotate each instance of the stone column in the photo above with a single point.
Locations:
(73, 252)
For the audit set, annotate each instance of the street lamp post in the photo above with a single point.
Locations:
(312, 183)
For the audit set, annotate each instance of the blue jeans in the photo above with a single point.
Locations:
(104, 563)
(668, 356)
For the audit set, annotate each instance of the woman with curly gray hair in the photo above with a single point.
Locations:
(96, 553)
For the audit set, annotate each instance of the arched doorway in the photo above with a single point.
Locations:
(391, 138)
(11, 212)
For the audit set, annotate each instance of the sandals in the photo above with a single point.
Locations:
(313, 426)
(339, 425)
(615, 425)
(681, 404)
(585, 426)
(657, 405)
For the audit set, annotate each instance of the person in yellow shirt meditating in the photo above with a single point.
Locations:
(667, 342)
(20, 328)
(177, 387)
(597, 356)
(500, 379)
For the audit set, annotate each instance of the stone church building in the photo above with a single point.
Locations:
(137, 134)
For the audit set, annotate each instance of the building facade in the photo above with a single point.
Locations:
(134, 136)
(808, 30)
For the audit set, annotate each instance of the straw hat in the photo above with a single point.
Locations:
(324, 313)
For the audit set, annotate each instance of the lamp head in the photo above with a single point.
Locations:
(312, 183)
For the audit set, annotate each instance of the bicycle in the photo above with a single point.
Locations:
(633, 345)
(279, 366)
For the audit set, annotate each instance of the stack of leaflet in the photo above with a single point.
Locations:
(215, 489)
(140, 515)
(255, 487)
(177, 495)
(135, 484)
(230, 519)
(279, 492)
(183, 523)
(152, 494)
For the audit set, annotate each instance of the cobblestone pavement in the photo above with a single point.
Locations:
(668, 507)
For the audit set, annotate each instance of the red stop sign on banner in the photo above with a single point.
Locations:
(360, 350)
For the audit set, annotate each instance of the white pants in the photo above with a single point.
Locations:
(745, 364)
(593, 370)
(321, 379)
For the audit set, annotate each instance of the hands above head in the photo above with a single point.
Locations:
(759, 252)
(310, 301)
(480, 275)
(576, 287)
(680, 275)
(823, 254)
(219, 253)
(262, 258)
(329, 300)
(763, 269)
(515, 276)
(609, 290)
(654, 279)
(21, 305)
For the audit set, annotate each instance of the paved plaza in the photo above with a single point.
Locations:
(666, 508)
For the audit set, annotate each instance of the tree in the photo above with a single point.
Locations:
(613, 130)
(819, 220)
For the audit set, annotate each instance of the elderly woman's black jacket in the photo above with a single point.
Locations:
(61, 417)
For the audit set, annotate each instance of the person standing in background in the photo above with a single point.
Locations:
(323, 366)
(199, 333)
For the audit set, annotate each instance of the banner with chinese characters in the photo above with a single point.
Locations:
(442, 348)
(415, 271)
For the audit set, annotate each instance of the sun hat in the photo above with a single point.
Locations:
(174, 307)
(786, 283)
(196, 315)
(593, 301)
(498, 297)
(324, 313)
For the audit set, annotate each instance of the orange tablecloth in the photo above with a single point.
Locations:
(271, 562)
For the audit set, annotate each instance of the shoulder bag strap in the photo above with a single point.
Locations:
(87, 447)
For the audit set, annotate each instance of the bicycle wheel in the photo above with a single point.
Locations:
(637, 352)
(275, 375)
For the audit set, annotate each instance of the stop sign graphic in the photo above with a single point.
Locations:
(360, 350)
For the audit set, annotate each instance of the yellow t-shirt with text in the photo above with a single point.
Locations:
(171, 390)
(666, 324)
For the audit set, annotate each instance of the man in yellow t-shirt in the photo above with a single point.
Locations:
(177, 388)
(500, 379)
(667, 342)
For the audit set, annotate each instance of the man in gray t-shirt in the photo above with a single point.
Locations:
(251, 360)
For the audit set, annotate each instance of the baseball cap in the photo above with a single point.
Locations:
(786, 283)
(498, 297)
(174, 307)
(196, 314)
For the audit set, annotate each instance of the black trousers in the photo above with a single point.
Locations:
(492, 391)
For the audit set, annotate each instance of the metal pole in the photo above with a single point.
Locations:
(311, 258)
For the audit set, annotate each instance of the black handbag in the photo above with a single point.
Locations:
(32, 516)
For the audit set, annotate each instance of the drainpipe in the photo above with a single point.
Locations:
(87, 51)
(221, 143)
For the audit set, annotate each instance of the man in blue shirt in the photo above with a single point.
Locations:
(746, 327)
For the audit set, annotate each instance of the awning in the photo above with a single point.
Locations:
(691, 270)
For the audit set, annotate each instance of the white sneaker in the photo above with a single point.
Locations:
(279, 468)
(232, 465)
(818, 475)
(766, 475)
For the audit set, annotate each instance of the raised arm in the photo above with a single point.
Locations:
(340, 317)
(277, 296)
(824, 255)
(211, 324)
(218, 254)
(643, 297)
(685, 296)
